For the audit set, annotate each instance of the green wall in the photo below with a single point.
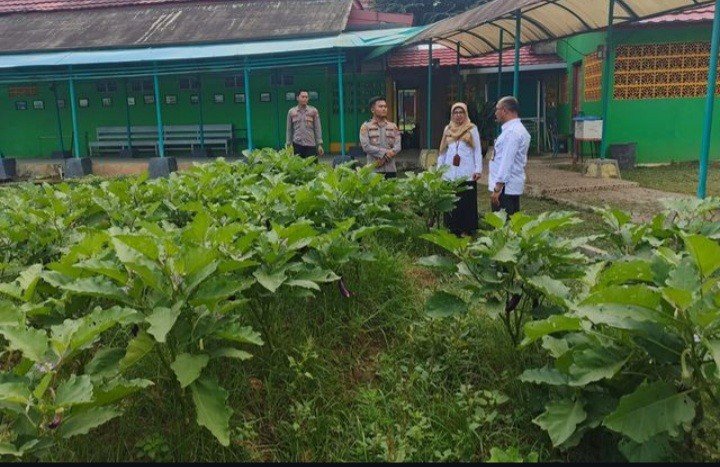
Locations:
(35, 133)
(665, 130)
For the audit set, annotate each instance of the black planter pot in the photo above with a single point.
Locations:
(8, 168)
(162, 166)
(78, 167)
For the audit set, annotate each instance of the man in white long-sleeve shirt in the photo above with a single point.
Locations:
(506, 177)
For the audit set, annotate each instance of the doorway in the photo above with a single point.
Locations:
(407, 118)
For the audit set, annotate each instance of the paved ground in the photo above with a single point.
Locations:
(546, 178)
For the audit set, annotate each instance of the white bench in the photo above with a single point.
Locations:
(115, 138)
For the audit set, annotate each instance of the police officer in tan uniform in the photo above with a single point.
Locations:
(380, 138)
(303, 127)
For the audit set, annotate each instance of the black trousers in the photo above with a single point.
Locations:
(390, 175)
(463, 219)
(510, 203)
(304, 151)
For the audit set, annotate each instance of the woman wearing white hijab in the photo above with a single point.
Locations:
(460, 151)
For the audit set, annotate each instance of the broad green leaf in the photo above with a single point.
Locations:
(656, 449)
(443, 304)
(623, 316)
(508, 253)
(216, 289)
(33, 343)
(7, 449)
(212, 410)
(553, 289)
(118, 389)
(240, 334)
(76, 390)
(10, 315)
(28, 280)
(556, 323)
(188, 367)
(624, 272)
(437, 261)
(271, 281)
(705, 252)
(81, 423)
(105, 363)
(594, 364)
(545, 375)
(138, 347)
(650, 410)
(447, 240)
(230, 352)
(678, 298)
(18, 393)
(495, 219)
(144, 244)
(161, 321)
(12, 290)
(107, 268)
(97, 287)
(303, 283)
(713, 345)
(560, 420)
(638, 295)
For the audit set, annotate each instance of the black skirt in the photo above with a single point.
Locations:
(463, 219)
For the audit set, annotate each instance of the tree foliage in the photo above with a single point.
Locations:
(426, 11)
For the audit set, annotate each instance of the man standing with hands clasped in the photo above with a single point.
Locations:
(303, 127)
(506, 177)
(380, 139)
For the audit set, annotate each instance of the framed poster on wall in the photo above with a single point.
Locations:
(264, 97)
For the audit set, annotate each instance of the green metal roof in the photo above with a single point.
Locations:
(194, 58)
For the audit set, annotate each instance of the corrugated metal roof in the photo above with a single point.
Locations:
(477, 29)
(376, 38)
(26, 6)
(418, 57)
(691, 15)
(175, 23)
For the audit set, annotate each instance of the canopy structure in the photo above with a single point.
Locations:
(476, 30)
(193, 58)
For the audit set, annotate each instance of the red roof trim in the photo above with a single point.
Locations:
(417, 57)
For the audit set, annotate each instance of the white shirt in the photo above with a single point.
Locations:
(470, 158)
(508, 165)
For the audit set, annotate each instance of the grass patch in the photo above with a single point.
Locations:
(680, 177)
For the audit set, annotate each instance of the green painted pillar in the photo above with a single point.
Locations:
(429, 97)
(158, 114)
(127, 115)
(53, 87)
(74, 114)
(341, 108)
(500, 64)
(200, 110)
(709, 102)
(459, 78)
(516, 74)
(248, 107)
(609, 57)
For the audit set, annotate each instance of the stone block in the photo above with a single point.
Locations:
(162, 166)
(77, 167)
(428, 158)
(601, 168)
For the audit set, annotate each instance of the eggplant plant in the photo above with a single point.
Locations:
(637, 351)
(521, 267)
